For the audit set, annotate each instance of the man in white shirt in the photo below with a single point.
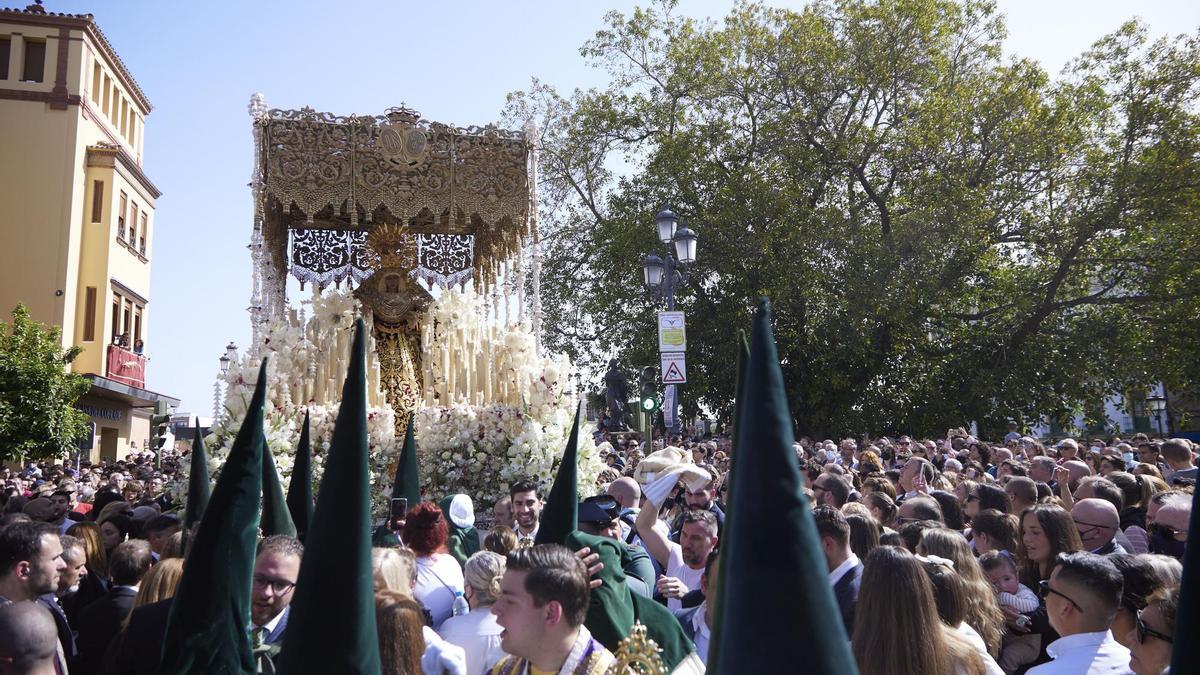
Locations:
(1082, 596)
(697, 621)
(682, 562)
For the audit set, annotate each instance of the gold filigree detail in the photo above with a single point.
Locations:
(391, 245)
(398, 167)
(639, 654)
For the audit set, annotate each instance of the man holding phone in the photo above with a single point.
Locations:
(914, 468)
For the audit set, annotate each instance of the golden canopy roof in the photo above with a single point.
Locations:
(325, 172)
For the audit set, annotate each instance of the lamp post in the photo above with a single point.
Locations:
(664, 273)
(1157, 404)
(226, 358)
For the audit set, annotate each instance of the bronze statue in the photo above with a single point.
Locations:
(616, 397)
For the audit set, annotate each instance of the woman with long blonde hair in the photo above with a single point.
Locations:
(897, 630)
(395, 572)
(983, 611)
(160, 582)
(951, 598)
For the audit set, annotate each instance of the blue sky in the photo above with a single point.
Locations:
(199, 62)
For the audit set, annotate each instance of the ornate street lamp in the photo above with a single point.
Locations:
(666, 221)
(226, 358)
(664, 273)
(652, 270)
(685, 245)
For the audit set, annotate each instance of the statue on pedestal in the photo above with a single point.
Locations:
(616, 398)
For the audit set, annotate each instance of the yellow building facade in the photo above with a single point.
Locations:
(79, 216)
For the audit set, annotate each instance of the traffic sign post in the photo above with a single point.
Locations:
(672, 333)
(670, 411)
(672, 345)
(674, 368)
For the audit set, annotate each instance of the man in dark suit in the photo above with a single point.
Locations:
(276, 569)
(845, 569)
(100, 621)
(138, 649)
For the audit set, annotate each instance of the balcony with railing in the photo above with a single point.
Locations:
(126, 367)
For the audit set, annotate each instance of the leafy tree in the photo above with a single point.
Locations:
(38, 417)
(945, 234)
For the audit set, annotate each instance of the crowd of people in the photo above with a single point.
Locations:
(944, 557)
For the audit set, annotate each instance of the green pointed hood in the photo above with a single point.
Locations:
(408, 478)
(612, 608)
(275, 516)
(299, 494)
(560, 517)
(782, 602)
(207, 630)
(743, 359)
(199, 483)
(1185, 657)
(331, 628)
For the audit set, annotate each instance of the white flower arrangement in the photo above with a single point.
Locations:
(476, 450)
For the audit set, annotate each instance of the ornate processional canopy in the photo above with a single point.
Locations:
(324, 182)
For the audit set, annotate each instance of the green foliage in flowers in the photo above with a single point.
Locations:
(945, 233)
(38, 391)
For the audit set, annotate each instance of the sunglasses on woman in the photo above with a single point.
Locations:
(1143, 630)
(1165, 531)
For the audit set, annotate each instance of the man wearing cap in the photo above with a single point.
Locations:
(39, 509)
(463, 540)
(599, 516)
